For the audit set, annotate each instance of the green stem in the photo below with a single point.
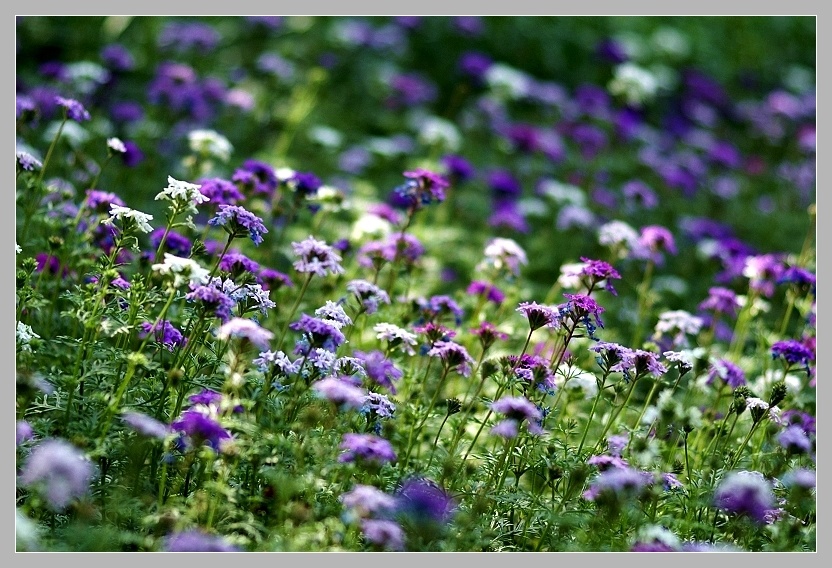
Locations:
(293, 310)
(592, 412)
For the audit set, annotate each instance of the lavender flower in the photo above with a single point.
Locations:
(486, 290)
(721, 301)
(333, 314)
(365, 500)
(271, 362)
(617, 481)
(423, 188)
(435, 307)
(516, 409)
(488, 334)
(383, 533)
(793, 352)
(379, 368)
(196, 540)
(539, 315)
(175, 243)
(164, 332)
(201, 429)
(220, 191)
(729, 372)
(396, 336)
(247, 330)
(145, 425)
(58, 469)
(505, 254)
(378, 405)
(316, 257)
(745, 493)
(639, 363)
(212, 299)
(26, 161)
(368, 294)
(794, 440)
(453, 355)
(424, 501)
(366, 447)
(319, 333)
(23, 432)
(340, 392)
(238, 222)
(259, 177)
(74, 110)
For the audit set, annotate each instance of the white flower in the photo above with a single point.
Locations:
(436, 130)
(754, 402)
(562, 193)
(210, 143)
(369, 225)
(616, 233)
(17, 248)
(182, 192)
(183, 269)
(505, 253)
(581, 379)
(678, 320)
(284, 174)
(116, 145)
(570, 275)
(122, 213)
(396, 335)
(634, 83)
(508, 81)
(24, 335)
(326, 136)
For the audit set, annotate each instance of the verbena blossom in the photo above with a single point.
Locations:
(762, 272)
(175, 243)
(129, 217)
(488, 334)
(59, 470)
(380, 369)
(365, 500)
(276, 362)
(245, 329)
(379, 405)
(366, 447)
(486, 290)
(257, 177)
(794, 440)
(182, 194)
(534, 370)
(616, 482)
(182, 269)
(101, 200)
(368, 295)
(145, 425)
(197, 540)
(800, 478)
(653, 241)
(721, 301)
(24, 335)
(201, 428)
(639, 363)
(595, 272)
(579, 308)
(220, 191)
(396, 337)
(793, 352)
(505, 254)
(317, 333)
(803, 279)
(27, 162)
(212, 299)
(424, 501)
(316, 257)
(210, 143)
(164, 333)
(453, 355)
(745, 493)
(238, 222)
(516, 409)
(435, 307)
(333, 314)
(728, 372)
(304, 184)
(383, 532)
(539, 315)
(678, 324)
(74, 110)
(423, 188)
(340, 392)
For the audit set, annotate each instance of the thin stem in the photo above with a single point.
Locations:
(293, 310)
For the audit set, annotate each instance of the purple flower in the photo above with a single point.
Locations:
(186, 36)
(196, 540)
(458, 168)
(366, 447)
(145, 425)
(410, 89)
(762, 271)
(517, 408)
(164, 333)
(793, 352)
(653, 241)
(368, 294)
(201, 429)
(304, 184)
(800, 277)
(639, 193)
(220, 191)
(378, 405)
(319, 333)
(800, 477)
(23, 432)
(745, 493)
(247, 330)
(487, 290)
(616, 481)
(238, 222)
(272, 279)
(316, 257)
(237, 264)
(379, 369)
(60, 470)
(117, 58)
(383, 533)
(474, 64)
(794, 440)
(257, 177)
(28, 162)
(271, 362)
(176, 244)
(604, 462)
(74, 110)
(433, 309)
(213, 299)
(611, 51)
(424, 501)
(579, 308)
(533, 370)
(453, 355)
(729, 372)
(488, 334)
(597, 271)
(611, 354)
(539, 315)
(366, 500)
(721, 301)
(340, 392)
(423, 188)
(504, 185)
(639, 363)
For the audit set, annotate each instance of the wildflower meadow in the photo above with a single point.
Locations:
(415, 283)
